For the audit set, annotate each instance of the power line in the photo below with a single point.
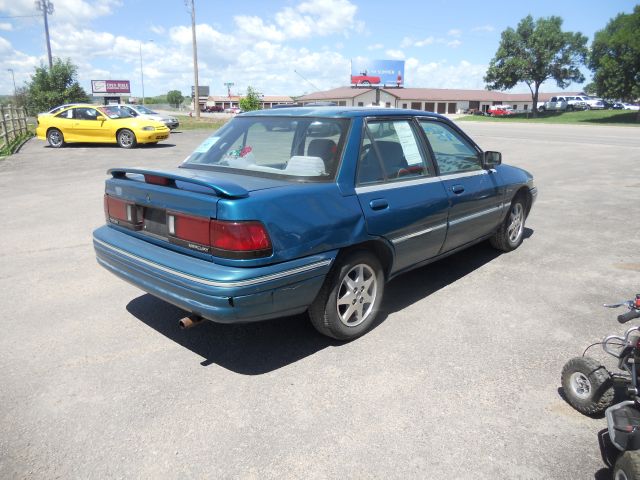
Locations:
(19, 16)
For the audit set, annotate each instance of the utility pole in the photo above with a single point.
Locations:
(46, 7)
(196, 91)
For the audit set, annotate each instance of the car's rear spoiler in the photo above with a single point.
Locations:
(173, 178)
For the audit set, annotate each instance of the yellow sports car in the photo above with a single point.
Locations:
(99, 124)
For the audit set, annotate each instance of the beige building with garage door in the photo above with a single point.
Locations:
(440, 100)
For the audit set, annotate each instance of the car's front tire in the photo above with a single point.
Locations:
(126, 138)
(510, 234)
(349, 300)
(55, 139)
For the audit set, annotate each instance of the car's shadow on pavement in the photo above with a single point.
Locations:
(112, 146)
(257, 348)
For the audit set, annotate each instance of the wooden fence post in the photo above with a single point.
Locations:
(13, 114)
(5, 134)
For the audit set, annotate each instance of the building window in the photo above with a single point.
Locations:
(388, 104)
(360, 104)
(515, 107)
(430, 107)
(404, 105)
(342, 103)
(416, 105)
(526, 107)
(442, 108)
(452, 107)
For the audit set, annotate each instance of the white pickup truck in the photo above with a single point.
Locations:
(556, 104)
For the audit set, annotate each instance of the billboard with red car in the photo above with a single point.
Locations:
(366, 73)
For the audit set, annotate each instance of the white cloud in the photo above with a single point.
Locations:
(441, 74)
(318, 17)
(65, 11)
(7, 27)
(410, 42)
(375, 46)
(157, 29)
(454, 32)
(454, 43)
(395, 54)
(483, 28)
(254, 27)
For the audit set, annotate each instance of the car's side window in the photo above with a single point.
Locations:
(452, 152)
(66, 114)
(390, 151)
(85, 113)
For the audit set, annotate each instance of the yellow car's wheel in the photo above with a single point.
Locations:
(126, 138)
(55, 138)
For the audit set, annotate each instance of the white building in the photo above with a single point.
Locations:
(440, 100)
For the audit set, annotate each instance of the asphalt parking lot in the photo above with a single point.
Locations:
(461, 379)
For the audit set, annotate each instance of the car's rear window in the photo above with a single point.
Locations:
(306, 148)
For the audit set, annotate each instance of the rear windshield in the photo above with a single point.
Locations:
(303, 148)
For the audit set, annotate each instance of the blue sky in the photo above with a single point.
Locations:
(445, 44)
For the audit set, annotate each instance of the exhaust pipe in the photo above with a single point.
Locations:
(190, 322)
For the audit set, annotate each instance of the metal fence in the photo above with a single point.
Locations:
(13, 124)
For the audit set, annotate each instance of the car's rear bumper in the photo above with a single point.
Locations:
(216, 292)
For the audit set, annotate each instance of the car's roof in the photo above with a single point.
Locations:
(348, 112)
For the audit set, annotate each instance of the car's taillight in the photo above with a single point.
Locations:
(188, 231)
(239, 240)
(121, 212)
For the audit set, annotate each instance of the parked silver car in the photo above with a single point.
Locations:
(142, 111)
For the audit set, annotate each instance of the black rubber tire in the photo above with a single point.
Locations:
(601, 393)
(55, 138)
(323, 312)
(541, 109)
(501, 239)
(627, 466)
(366, 83)
(126, 138)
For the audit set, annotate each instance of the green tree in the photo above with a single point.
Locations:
(251, 101)
(536, 51)
(55, 86)
(615, 57)
(175, 98)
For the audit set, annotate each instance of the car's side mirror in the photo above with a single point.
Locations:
(100, 118)
(491, 159)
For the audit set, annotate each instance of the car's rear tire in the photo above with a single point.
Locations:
(55, 139)
(365, 83)
(349, 300)
(126, 138)
(541, 109)
(510, 233)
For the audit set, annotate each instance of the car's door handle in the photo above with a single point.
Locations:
(378, 204)
(457, 189)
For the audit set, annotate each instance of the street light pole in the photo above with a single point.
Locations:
(15, 90)
(141, 74)
(196, 90)
(46, 7)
